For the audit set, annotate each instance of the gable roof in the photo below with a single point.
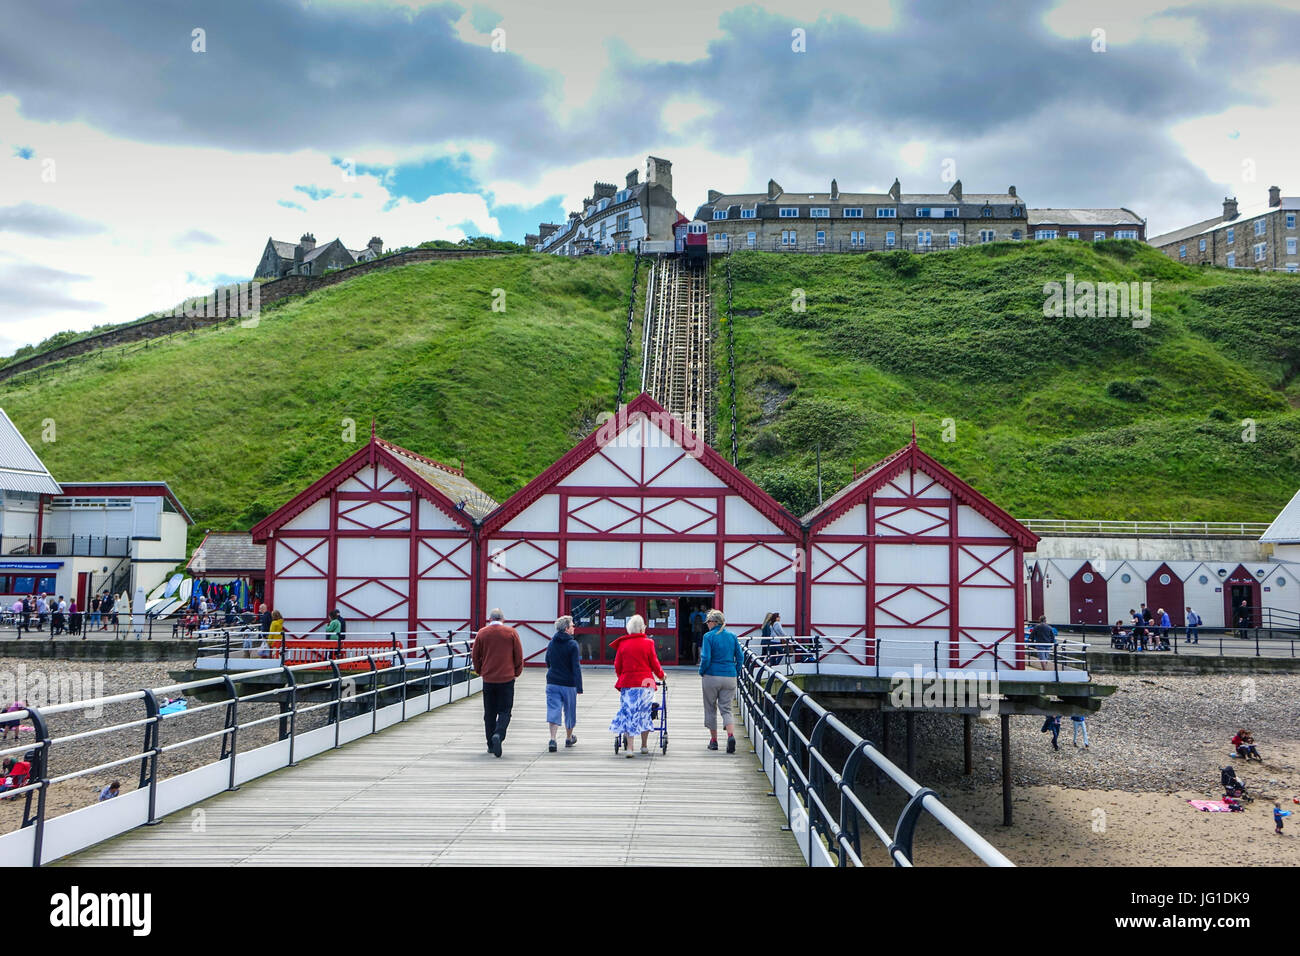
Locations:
(283, 249)
(1083, 217)
(229, 551)
(910, 456)
(20, 467)
(417, 471)
(1285, 528)
(644, 405)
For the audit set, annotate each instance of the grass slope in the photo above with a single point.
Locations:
(1087, 418)
(240, 419)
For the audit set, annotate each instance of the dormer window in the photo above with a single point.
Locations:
(987, 212)
(1017, 211)
(719, 214)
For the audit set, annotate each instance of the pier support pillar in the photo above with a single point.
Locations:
(884, 732)
(965, 744)
(1006, 768)
(909, 723)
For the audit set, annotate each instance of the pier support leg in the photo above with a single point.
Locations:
(909, 723)
(1006, 768)
(884, 732)
(965, 744)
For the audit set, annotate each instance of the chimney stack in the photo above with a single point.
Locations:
(659, 171)
(896, 190)
(376, 245)
(955, 192)
(835, 191)
(1229, 208)
(1011, 190)
(632, 179)
(307, 242)
(1274, 196)
(774, 189)
(714, 195)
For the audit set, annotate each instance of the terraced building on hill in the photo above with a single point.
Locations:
(1257, 237)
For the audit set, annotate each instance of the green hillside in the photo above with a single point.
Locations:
(1053, 417)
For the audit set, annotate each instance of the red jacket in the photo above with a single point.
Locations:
(636, 664)
(497, 655)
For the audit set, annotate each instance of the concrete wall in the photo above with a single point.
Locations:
(1151, 548)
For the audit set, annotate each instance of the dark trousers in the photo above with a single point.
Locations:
(498, 701)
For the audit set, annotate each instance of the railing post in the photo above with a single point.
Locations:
(39, 773)
(232, 724)
(374, 693)
(293, 709)
(149, 756)
(402, 673)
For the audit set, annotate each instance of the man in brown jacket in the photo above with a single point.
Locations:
(498, 657)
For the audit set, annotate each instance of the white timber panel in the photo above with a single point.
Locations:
(315, 517)
(744, 518)
(853, 521)
(434, 519)
(972, 524)
(542, 515)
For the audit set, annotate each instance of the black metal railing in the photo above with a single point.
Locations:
(1266, 632)
(67, 546)
(821, 793)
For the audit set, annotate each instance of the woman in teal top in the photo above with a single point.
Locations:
(333, 630)
(720, 662)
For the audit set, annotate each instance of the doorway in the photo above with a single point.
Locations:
(599, 619)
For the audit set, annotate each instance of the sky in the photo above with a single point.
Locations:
(148, 148)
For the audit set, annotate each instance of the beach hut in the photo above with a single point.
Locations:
(1088, 598)
(386, 537)
(908, 564)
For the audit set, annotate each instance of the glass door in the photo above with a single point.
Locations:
(662, 626)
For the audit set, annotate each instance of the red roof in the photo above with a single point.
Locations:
(393, 457)
(585, 449)
(911, 456)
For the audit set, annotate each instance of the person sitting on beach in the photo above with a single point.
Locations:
(111, 791)
(14, 775)
(11, 726)
(1245, 746)
(1233, 786)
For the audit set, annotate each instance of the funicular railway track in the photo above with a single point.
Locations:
(678, 341)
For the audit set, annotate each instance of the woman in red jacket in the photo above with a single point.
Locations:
(636, 665)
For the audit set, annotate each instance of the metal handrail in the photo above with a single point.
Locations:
(1251, 529)
(455, 654)
(811, 775)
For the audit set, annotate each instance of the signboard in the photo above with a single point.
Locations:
(30, 565)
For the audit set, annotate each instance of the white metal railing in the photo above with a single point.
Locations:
(1012, 659)
(1243, 529)
(383, 687)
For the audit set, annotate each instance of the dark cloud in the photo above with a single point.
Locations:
(29, 219)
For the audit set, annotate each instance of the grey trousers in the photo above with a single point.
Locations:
(719, 693)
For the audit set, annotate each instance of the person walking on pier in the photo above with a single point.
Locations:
(720, 662)
(1193, 621)
(636, 666)
(497, 657)
(563, 682)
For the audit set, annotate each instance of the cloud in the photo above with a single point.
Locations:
(195, 237)
(29, 289)
(30, 219)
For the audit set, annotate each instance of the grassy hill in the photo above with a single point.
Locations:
(1053, 417)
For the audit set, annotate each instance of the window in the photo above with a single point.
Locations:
(1290, 245)
(819, 212)
(923, 213)
(821, 237)
(602, 204)
(1281, 582)
(1126, 578)
(1099, 235)
(987, 212)
(1164, 579)
(1087, 577)
(853, 212)
(1015, 234)
(1182, 252)
(857, 238)
(720, 237)
(24, 585)
(1232, 260)
(1017, 212)
(789, 237)
(1261, 249)
(621, 196)
(1202, 245)
(890, 239)
(923, 237)
(789, 212)
(1293, 267)
(751, 238)
(1072, 234)
(950, 214)
(719, 214)
(1133, 234)
(1260, 226)
(1290, 220)
(1045, 234)
(988, 235)
(1232, 235)
(623, 222)
(886, 213)
(954, 238)
(749, 213)
(1203, 579)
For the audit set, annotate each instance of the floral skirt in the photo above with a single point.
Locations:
(633, 715)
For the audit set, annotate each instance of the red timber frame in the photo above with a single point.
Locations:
(877, 487)
(434, 554)
(711, 575)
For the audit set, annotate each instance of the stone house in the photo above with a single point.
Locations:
(306, 258)
(613, 219)
(1256, 237)
(1088, 225)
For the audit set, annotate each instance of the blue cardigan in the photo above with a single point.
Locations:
(720, 654)
(562, 662)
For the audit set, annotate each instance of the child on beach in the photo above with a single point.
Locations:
(1278, 814)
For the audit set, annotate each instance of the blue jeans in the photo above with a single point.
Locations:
(1078, 726)
(562, 705)
(1193, 635)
